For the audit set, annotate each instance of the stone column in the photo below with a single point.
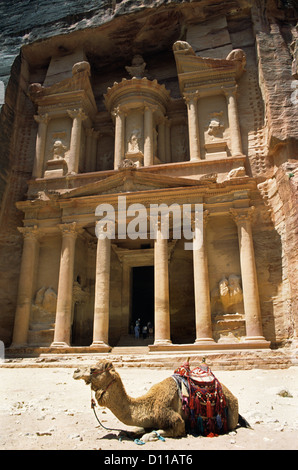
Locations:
(26, 285)
(89, 149)
(201, 283)
(193, 125)
(253, 321)
(102, 291)
(78, 117)
(235, 136)
(168, 140)
(94, 150)
(119, 137)
(65, 285)
(42, 120)
(162, 140)
(161, 290)
(148, 136)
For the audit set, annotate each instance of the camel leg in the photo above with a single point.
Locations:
(176, 428)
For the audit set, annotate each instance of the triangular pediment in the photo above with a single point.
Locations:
(128, 181)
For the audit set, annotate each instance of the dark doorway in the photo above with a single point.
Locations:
(143, 295)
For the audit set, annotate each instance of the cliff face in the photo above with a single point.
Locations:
(110, 32)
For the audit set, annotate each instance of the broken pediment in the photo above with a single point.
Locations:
(128, 180)
(196, 72)
(71, 90)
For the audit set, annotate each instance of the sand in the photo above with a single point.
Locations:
(46, 409)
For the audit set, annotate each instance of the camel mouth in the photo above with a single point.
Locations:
(82, 374)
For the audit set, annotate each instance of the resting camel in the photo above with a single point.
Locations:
(159, 409)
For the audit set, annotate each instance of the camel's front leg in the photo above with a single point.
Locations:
(176, 429)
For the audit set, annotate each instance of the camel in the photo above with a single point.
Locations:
(160, 409)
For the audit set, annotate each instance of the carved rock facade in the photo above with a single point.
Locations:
(155, 120)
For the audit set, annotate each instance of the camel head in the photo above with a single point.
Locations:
(99, 376)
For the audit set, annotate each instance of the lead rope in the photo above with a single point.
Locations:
(136, 441)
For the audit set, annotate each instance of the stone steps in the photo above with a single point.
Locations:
(140, 357)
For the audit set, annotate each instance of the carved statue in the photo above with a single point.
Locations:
(229, 292)
(58, 150)
(137, 68)
(133, 143)
(215, 128)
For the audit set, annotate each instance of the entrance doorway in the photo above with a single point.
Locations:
(142, 306)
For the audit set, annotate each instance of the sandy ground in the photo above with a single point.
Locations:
(45, 409)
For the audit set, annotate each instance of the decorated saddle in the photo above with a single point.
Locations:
(203, 401)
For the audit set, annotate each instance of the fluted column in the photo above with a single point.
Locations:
(78, 117)
(26, 285)
(235, 135)
(253, 321)
(42, 120)
(161, 289)
(148, 136)
(201, 283)
(193, 125)
(102, 290)
(65, 285)
(119, 137)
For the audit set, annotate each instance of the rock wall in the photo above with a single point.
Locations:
(33, 31)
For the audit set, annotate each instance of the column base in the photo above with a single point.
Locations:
(18, 345)
(59, 344)
(162, 342)
(257, 340)
(100, 345)
(204, 341)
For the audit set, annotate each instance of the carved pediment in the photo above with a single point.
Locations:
(126, 181)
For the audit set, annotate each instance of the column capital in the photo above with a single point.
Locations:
(77, 113)
(191, 96)
(119, 111)
(70, 229)
(242, 215)
(230, 91)
(30, 232)
(206, 216)
(42, 118)
(109, 231)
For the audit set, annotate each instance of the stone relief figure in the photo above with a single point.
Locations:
(43, 309)
(137, 68)
(134, 140)
(46, 298)
(228, 293)
(215, 128)
(58, 150)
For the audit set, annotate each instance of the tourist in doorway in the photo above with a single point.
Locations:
(144, 331)
(137, 331)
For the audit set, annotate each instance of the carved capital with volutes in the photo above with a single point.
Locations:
(242, 215)
(77, 114)
(42, 118)
(71, 229)
(191, 97)
(31, 232)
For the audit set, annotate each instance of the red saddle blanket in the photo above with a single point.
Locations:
(203, 401)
